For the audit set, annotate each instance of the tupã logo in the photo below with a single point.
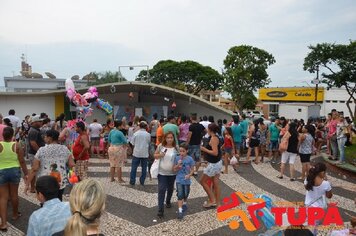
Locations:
(249, 220)
(284, 213)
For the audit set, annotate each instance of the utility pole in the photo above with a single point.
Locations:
(316, 85)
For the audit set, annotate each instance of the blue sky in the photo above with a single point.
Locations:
(76, 37)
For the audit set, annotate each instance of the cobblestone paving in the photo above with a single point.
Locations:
(131, 210)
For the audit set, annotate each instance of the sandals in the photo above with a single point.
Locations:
(292, 179)
(279, 176)
(209, 204)
(3, 230)
(18, 216)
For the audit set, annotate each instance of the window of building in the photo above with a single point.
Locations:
(342, 101)
(328, 101)
(273, 110)
(299, 109)
(334, 101)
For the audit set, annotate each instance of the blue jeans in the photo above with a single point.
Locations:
(10, 176)
(183, 191)
(194, 152)
(165, 184)
(135, 163)
(341, 144)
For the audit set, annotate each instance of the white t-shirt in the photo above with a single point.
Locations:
(95, 130)
(316, 197)
(167, 162)
(205, 124)
(16, 123)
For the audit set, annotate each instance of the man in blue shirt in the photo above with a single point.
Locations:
(54, 214)
(141, 142)
(237, 132)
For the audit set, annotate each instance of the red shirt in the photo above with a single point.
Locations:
(227, 142)
(78, 148)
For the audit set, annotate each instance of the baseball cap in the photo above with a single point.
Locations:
(36, 118)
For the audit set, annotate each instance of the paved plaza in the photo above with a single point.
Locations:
(131, 210)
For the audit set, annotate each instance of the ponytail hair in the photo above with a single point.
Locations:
(314, 171)
(87, 203)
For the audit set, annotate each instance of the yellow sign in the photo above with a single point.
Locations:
(295, 94)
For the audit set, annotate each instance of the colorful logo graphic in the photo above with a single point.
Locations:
(271, 214)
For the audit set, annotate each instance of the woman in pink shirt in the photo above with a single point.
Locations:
(183, 130)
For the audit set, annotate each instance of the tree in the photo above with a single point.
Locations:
(338, 63)
(245, 72)
(189, 76)
(105, 78)
(250, 101)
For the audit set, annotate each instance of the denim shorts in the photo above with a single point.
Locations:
(213, 169)
(10, 176)
(228, 150)
(183, 191)
(273, 145)
(194, 152)
(237, 145)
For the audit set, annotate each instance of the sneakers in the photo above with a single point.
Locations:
(180, 215)
(185, 207)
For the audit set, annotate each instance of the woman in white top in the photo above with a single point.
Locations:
(166, 152)
(342, 129)
(318, 188)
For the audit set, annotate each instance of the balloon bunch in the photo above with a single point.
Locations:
(83, 102)
(72, 177)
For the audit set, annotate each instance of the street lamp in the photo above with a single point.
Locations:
(316, 81)
(131, 67)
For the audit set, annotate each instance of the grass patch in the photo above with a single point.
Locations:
(350, 151)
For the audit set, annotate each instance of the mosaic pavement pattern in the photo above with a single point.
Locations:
(131, 210)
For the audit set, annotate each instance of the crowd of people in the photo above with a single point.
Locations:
(181, 146)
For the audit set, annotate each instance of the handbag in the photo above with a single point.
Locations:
(154, 169)
(233, 160)
(283, 146)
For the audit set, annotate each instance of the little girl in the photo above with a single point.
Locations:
(228, 146)
(318, 188)
(184, 166)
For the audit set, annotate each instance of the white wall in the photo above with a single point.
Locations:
(26, 105)
(336, 99)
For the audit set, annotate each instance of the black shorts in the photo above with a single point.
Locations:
(254, 143)
(304, 157)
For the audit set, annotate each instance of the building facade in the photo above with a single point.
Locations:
(297, 99)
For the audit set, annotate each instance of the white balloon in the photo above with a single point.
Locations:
(69, 84)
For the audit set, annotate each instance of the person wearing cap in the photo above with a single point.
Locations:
(52, 159)
(54, 214)
(141, 142)
(35, 141)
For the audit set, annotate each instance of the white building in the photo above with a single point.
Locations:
(23, 84)
(336, 98)
(295, 100)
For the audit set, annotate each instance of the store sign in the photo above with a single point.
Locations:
(277, 94)
(297, 94)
